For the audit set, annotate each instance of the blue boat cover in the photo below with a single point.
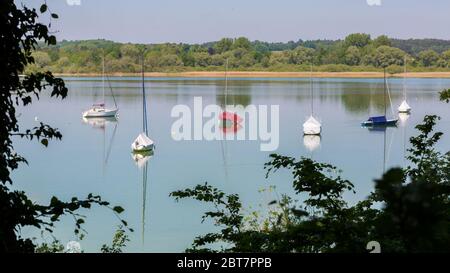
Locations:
(379, 119)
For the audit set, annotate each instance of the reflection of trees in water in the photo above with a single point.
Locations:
(363, 98)
(141, 160)
(357, 96)
(239, 92)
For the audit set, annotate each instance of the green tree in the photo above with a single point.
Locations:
(357, 39)
(353, 56)
(278, 58)
(382, 40)
(223, 45)
(301, 55)
(42, 59)
(242, 43)
(131, 51)
(170, 60)
(385, 56)
(428, 57)
(218, 60)
(202, 59)
(446, 57)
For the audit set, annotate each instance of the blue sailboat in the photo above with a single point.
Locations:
(381, 121)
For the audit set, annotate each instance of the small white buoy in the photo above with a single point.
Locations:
(36, 118)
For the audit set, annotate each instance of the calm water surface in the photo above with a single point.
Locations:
(94, 157)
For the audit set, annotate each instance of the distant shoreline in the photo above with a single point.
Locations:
(264, 74)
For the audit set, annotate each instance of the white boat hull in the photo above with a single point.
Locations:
(312, 132)
(100, 113)
(142, 144)
(312, 127)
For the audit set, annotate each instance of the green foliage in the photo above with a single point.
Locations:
(408, 211)
(321, 181)
(53, 247)
(20, 34)
(428, 57)
(357, 40)
(445, 95)
(382, 40)
(301, 55)
(415, 46)
(353, 56)
(119, 241)
(227, 214)
(357, 52)
(385, 56)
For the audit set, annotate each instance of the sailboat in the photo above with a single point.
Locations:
(143, 144)
(99, 110)
(404, 106)
(312, 126)
(381, 120)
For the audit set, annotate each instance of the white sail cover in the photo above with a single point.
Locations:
(404, 107)
(311, 142)
(142, 143)
(312, 126)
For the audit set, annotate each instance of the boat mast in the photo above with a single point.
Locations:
(103, 78)
(226, 84)
(311, 90)
(385, 84)
(384, 151)
(404, 80)
(144, 104)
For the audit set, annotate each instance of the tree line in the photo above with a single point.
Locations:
(357, 52)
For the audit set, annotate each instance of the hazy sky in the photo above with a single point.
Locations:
(193, 21)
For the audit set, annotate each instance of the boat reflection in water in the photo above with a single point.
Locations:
(141, 159)
(102, 123)
(386, 147)
(403, 118)
(311, 142)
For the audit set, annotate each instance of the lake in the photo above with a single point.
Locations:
(95, 156)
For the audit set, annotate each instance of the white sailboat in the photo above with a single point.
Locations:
(404, 106)
(99, 110)
(143, 144)
(312, 126)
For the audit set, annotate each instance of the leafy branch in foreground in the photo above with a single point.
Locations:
(119, 241)
(21, 31)
(227, 213)
(408, 211)
(445, 95)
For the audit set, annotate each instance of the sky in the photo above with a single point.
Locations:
(198, 21)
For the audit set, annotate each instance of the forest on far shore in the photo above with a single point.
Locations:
(357, 52)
